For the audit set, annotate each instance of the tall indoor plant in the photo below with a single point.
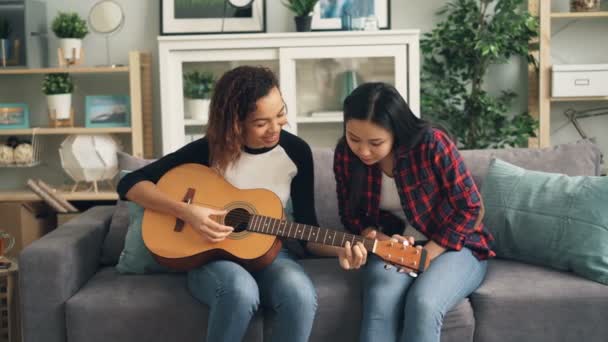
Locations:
(457, 53)
(198, 87)
(58, 90)
(70, 29)
(303, 12)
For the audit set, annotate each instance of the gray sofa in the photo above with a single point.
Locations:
(69, 294)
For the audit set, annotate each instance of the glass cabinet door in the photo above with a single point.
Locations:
(315, 82)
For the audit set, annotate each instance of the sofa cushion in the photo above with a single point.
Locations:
(338, 315)
(326, 197)
(126, 308)
(520, 302)
(115, 239)
(557, 158)
(548, 219)
(135, 258)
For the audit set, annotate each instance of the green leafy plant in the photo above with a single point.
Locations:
(457, 53)
(5, 28)
(301, 8)
(54, 84)
(69, 25)
(198, 85)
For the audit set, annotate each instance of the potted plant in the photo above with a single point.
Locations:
(197, 91)
(303, 11)
(474, 35)
(5, 32)
(58, 89)
(70, 29)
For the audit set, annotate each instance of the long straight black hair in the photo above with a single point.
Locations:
(381, 104)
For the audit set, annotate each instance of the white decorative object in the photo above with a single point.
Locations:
(89, 158)
(6, 155)
(198, 109)
(60, 105)
(580, 80)
(71, 48)
(24, 154)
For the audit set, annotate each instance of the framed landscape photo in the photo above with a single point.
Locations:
(328, 14)
(108, 111)
(212, 16)
(14, 116)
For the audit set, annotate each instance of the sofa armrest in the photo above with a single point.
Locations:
(53, 268)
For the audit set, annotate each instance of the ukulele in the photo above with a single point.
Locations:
(256, 216)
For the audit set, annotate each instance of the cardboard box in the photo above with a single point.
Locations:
(26, 222)
(580, 80)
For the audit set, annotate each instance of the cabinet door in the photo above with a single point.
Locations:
(315, 81)
(182, 119)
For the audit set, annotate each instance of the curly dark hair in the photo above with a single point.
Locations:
(235, 96)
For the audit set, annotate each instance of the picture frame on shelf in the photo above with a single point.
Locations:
(354, 14)
(108, 111)
(14, 116)
(212, 16)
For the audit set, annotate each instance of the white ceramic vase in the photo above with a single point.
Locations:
(198, 109)
(71, 48)
(60, 105)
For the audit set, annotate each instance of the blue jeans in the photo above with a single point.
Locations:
(233, 296)
(397, 307)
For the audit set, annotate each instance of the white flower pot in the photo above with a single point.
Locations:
(69, 46)
(198, 109)
(60, 105)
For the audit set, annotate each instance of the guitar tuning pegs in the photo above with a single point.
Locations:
(387, 267)
(413, 274)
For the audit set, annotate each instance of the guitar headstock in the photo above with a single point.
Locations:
(406, 256)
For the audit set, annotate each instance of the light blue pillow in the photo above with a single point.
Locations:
(135, 257)
(548, 219)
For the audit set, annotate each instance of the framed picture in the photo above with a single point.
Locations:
(14, 116)
(212, 16)
(328, 14)
(108, 111)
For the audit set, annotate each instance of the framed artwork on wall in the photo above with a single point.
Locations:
(354, 14)
(14, 116)
(108, 111)
(212, 16)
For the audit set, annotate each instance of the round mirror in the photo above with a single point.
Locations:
(106, 17)
(240, 3)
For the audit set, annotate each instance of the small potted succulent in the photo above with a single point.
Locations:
(5, 43)
(198, 87)
(70, 29)
(58, 90)
(303, 11)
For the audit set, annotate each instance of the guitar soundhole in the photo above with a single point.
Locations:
(237, 218)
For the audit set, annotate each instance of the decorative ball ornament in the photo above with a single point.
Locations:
(6, 155)
(24, 154)
(89, 158)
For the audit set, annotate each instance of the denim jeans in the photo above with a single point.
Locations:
(233, 296)
(397, 307)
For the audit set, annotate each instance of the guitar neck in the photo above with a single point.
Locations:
(330, 237)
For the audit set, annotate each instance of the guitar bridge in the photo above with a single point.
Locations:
(188, 197)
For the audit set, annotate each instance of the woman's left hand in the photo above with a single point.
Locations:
(406, 241)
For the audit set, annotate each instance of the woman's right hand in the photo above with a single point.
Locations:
(200, 219)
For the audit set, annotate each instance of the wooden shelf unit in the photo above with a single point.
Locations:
(65, 130)
(72, 70)
(139, 72)
(539, 81)
(579, 15)
(26, 196)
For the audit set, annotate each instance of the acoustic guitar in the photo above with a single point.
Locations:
(257, 218)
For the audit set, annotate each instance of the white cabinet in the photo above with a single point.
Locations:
(315, 69)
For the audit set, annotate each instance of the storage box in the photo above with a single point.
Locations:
(26, 222)
(580, 80)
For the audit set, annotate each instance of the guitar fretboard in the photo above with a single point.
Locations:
(268, 225)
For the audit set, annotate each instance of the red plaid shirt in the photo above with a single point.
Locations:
(438, 194)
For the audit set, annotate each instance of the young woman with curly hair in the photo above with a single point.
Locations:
(246, 144)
